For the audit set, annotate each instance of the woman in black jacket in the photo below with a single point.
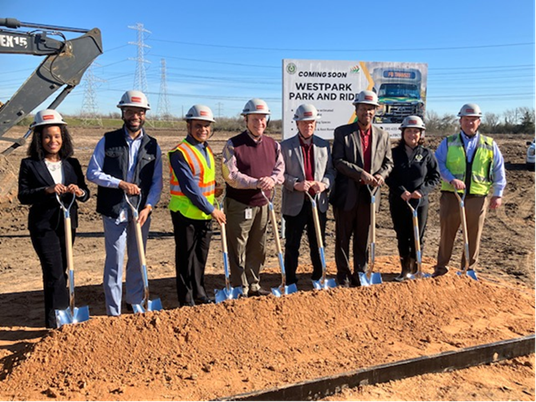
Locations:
(50, 170)
(414, 175)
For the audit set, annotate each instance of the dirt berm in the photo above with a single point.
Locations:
(207, 352)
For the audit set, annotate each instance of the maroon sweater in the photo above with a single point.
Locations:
(255, 159)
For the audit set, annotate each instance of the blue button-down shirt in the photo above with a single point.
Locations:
(498, 175)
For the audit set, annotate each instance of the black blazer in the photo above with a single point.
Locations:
(45, 211)
(418, 172)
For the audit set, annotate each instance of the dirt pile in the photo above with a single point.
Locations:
(213, 351)
(8, 181)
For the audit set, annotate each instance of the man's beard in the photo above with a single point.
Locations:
(132, 128)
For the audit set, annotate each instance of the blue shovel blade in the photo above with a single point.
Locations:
(375, 279)
(224, 294)
(470, 273)
(422, 275)
(328, 283)
(152, 305)
(288, 290)
(63, 317)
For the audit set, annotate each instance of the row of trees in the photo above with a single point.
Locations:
(515, 121)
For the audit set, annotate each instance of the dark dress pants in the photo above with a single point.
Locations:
(354, 222)
(192, 243)
(294, 226)
(403, 225)
(51, 250)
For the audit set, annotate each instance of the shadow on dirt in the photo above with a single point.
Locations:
(515, 166)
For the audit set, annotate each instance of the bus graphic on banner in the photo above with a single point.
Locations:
(399, 94)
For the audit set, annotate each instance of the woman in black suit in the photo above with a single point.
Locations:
(415, 174)
(50, 170)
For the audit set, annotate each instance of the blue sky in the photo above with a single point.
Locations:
(223, 53)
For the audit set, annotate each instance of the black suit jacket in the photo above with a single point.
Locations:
(45, 211)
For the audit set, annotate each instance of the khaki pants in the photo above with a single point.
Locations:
(246, 240)
(450, 220)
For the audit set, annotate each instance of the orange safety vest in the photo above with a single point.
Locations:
(204, 175)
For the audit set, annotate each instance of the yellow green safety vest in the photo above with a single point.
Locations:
(203, 174)
(482, 164)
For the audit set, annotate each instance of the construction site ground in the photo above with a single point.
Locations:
(215, 351)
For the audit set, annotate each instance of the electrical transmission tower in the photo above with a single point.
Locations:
(219, 104)
(163, 112)
(89, 113)
(140, 80)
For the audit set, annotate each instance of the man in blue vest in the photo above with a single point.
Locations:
(252, 162)
(472, 163)
(192, 188)
(125, 161)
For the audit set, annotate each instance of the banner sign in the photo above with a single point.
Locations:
(331, 85)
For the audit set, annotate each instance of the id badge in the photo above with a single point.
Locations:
(249, 213)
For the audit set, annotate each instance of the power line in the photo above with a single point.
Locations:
(398, 49)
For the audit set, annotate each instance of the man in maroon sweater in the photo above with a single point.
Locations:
(251, 162)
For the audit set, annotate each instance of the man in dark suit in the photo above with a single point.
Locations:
(308, 168)
(362, 157)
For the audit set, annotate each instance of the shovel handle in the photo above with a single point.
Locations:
(373, 191)
(140, 247)
(224, 249)
(316, 219)
(372, 228)
(134, 208)
(276, 236)
(68, 247)
(463, 220)
(416, 235)
(318, 234)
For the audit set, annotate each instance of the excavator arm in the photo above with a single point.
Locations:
(64, 65)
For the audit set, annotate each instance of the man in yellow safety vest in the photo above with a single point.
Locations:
(192, 188)
(472, 163)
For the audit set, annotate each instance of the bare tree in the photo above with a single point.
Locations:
(444, 125)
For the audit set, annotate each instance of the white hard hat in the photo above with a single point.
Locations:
(256, 106)
(47, 117)
(470, 109)
(306, 112)
(367, 97)
(200, 112)
(134, 99)
(413, 122)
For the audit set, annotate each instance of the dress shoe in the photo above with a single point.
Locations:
(260, 292)
(129, 308)
(439, 271)
(203, 300)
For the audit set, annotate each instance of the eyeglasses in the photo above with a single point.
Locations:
(134, 112)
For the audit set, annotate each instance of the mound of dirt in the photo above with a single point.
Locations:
(8, 181)
(213, 351)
